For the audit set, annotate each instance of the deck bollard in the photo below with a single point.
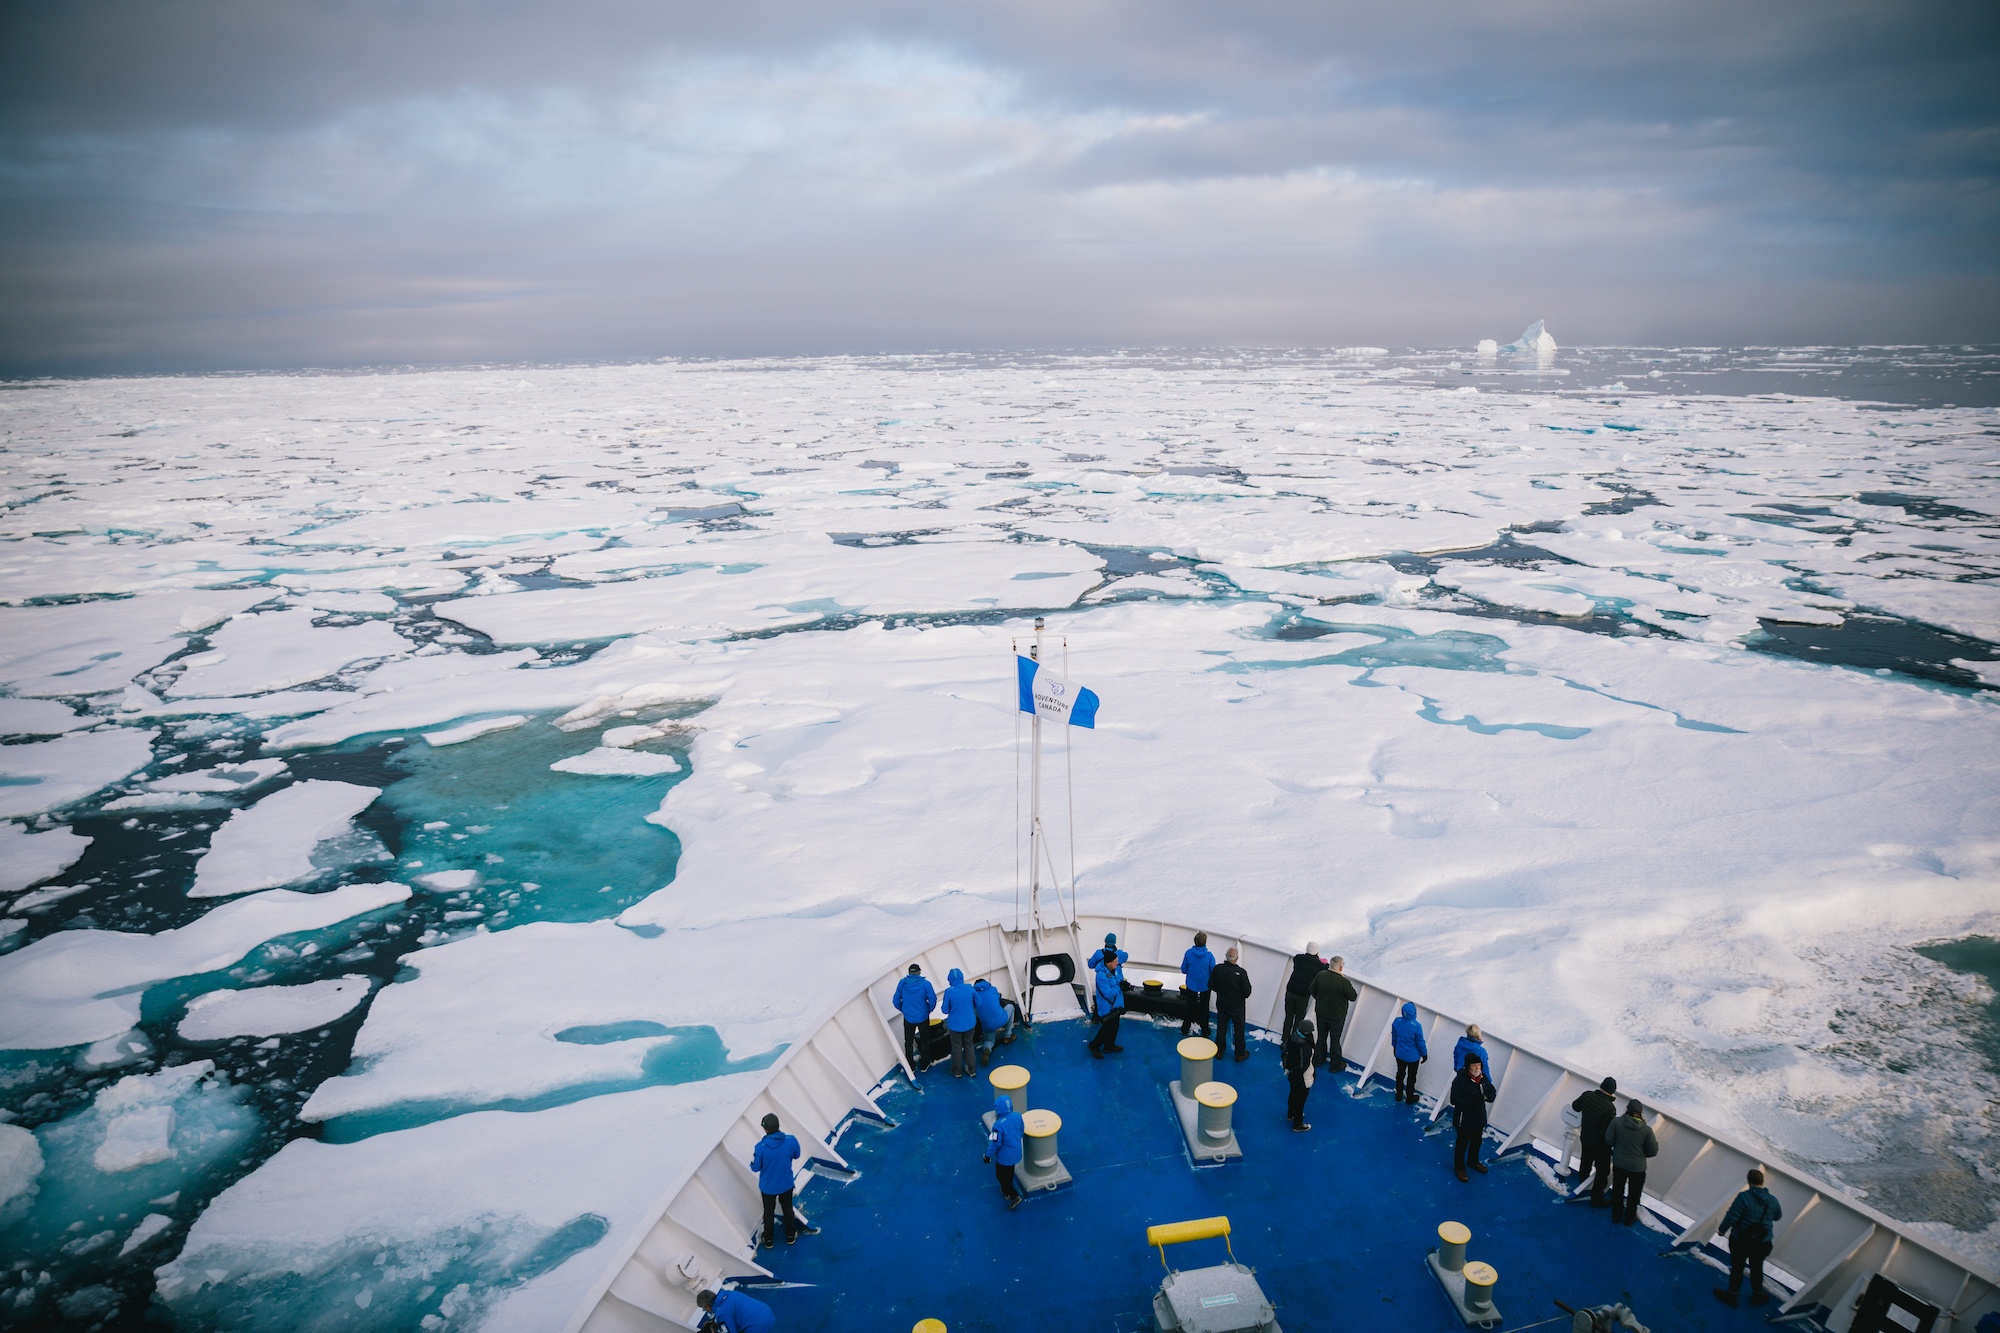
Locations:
(1479, 1283)
(1013, 1081)
(1216, 1103)
(1041, 1167)
(929, 1326)
(1452, 1240)
(1197, 1062)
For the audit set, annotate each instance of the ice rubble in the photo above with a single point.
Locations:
(271, 843)
(269, 1011)
(78, 986)
(28, 858)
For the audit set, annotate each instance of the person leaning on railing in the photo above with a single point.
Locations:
(1632, 1144)
(1598, 1108)
(1748, 1225)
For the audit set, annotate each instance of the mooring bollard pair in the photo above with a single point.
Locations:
(1469, 1285)
(1206, 1108)
(1041, 1166)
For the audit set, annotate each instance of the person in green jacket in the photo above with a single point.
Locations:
(1748, 1224)
(1633, 1144)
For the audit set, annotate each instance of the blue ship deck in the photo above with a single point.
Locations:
(1336, 1222)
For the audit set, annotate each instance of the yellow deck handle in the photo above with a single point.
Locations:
(1176, 1233)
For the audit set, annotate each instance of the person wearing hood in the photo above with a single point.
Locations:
(1297, 1057)
(1598, 1107)
(914, 999)
(1748, 1224)
(996, 1022)
(1406, 1040)
(1471, 1093)
(730, 1311)
(1109, 980)
(1004, 1145)
(1632, 1144)
(1472, 1044)
(1109, 950)
(772, 1160)
(1231, 985)
(1298, 990)
(1331, 993)
(1197, 964)
(961, 1022)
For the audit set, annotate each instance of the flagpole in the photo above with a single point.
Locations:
(1035, 814)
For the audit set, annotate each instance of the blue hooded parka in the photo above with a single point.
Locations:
(1406, 1034)
(959, 1014)
(1110, 995)
(1003, 1145)
(1196, 964)
(772, 1160)
(1467, 1046)
(915, 998)
(1110, 948)
(986, 1003)
(742, 1314)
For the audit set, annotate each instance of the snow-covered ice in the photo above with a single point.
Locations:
(272, 842)
(1653, 727)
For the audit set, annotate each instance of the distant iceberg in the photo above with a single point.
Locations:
(1487, 347)
(1533, 339)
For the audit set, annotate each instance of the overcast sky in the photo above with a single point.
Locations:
(196, 184)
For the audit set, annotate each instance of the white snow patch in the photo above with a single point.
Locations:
(470, 730)
(608, 762)
(269, 1011)
(271, 842)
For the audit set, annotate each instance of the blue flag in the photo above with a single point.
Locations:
(1057, 698)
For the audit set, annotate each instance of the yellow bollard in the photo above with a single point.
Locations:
(1012, 1080)
(1452, 1240)
(929, 1326)
(1214, 1103)
(1197, 1063)
(1479, 1282)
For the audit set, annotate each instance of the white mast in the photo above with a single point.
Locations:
(1035, 813)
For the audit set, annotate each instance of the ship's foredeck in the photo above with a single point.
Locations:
(1336, 1222)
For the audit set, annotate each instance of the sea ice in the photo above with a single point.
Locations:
(610, 762)
(271, 842)
(39, 717)
(279, 649)
(48, 775)
(268, 1011)
(150, 1226)
(20, 1166)
(78, 986)
(29, 858)
(97, 647)
(471, 730)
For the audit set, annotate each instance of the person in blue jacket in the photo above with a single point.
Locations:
(1004, 1145)
(772, 1160)
(730, 1311)
(1406, 1037)
(1109, 979)
(914, 1000)
(996, 1018)
(1110, 948)
(1473, 1044)
(961, 1022)
(1196, 964)
(1749, 1225)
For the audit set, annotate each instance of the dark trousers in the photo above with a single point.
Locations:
(1197, 1012)
(1326, 1045)
(1295, 1105)
(1406, 1080)
(772, 1202)
(1465, 1147)
(913, 1043)
(1596, 1158)
(1295, 1009)
(961, 1052)
(1751, 1252)
(1626, 1187)
(1008, 1189)
(1223, 1022)
(1107, 1030)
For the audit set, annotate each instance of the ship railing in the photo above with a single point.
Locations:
(703, 1228)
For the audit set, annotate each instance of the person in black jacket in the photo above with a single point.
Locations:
(1598, 1108)
(1471, 1091)
(1298, 1059)
(1298, 990)
(1230, 985)
(1331, 993)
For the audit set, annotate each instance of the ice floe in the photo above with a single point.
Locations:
(28, 858)
(269, 1011)
(608, 761)
(38, 776)
(272, 842)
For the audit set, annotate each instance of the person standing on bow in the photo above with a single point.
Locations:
(914, 999)
(1298, 990)
(1231, 985)
(1331, 993)
(772, 1160)
(1632, 1144)
(1197, 964)
(1471, 1093)
(1005, 1143)
(1297, 1056)
(1406, 1039)
(961, 1023)
(1109, 979)
(1598, 1107)
(1748, 1224)
(1110, 950)
(1471, 1046)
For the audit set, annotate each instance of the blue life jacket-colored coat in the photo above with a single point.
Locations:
(1467, 1046)
(1110, 995)
(1406, 1034)
(986, 1003)
(915, 998)
(1196, 964)
(1752, 1215)
(742, 1314)
(959, 1014)
(1004, 1144)
(772, 1160)
(1103, 954)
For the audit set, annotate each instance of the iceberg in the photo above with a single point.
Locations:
(1534, 341)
